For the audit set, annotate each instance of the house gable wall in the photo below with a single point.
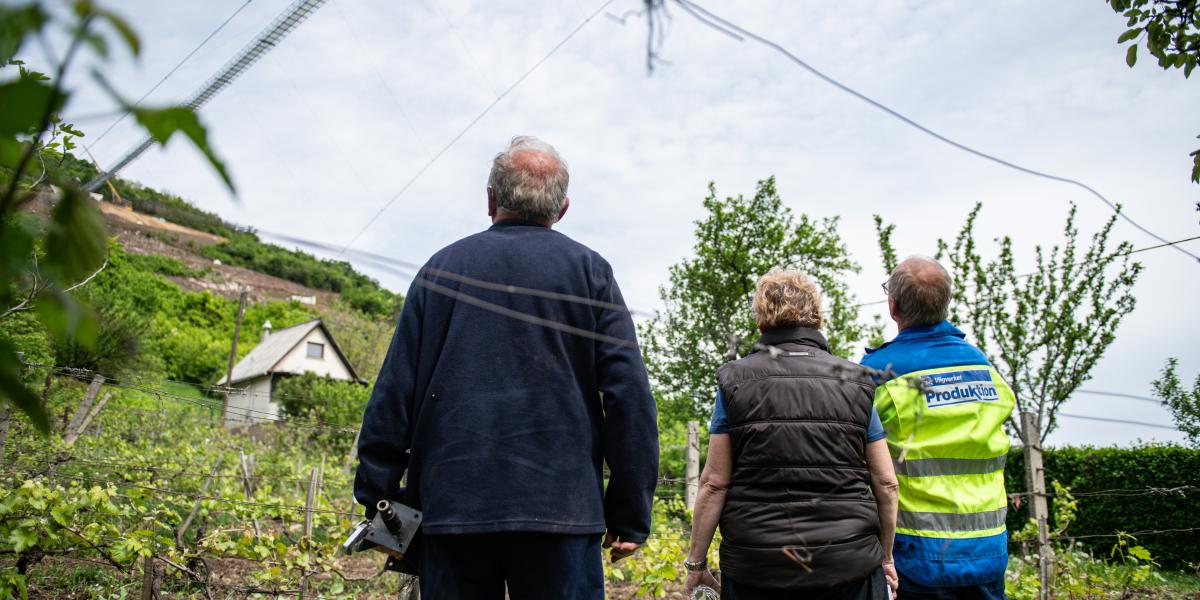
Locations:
(250, 402)
(296, 361)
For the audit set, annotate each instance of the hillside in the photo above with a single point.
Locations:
(160, 237)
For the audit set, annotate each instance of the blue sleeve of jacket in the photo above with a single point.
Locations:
(383, 441)
(720, 417)
(630, 433)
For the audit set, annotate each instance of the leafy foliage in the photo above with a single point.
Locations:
(1172, 470)
(120, 495)
(657, 566)
(358, 290)
(1170, 30)
(326, 401)
(39, 266)
(708, 317)
(1184, 404)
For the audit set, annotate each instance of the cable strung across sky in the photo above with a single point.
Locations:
(263, 43)
(164, 78)
(477, 119)
(737, 32)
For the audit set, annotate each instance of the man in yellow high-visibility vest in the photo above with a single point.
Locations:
(944, 413)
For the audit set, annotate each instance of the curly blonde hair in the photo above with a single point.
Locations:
(787, 298)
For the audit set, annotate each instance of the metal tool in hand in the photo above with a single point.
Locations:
(391, 531)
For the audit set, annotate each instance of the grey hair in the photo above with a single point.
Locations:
(530, 179)
(922, 297)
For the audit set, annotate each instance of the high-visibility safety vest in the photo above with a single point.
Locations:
(944, 415)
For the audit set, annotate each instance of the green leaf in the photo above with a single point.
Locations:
(1131, 55)
(97, 42)
(68, 320)
(162, 123)
(1129, 35)
(24, 101)
(16, 24)
(13, 391)
(76, 241)
(1189, 65)
(1140, 552)
(123, 29)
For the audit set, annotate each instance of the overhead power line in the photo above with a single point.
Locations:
(1025, 275)
(734, 30)
(1122, 395)
(1121, 421)
(177, 66)
(264, 42)
(470, 125)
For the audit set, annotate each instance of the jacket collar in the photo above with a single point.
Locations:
(516, 223)
(941, 329)
(796, 335)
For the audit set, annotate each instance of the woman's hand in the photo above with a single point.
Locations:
(893, 579)
(696, 579)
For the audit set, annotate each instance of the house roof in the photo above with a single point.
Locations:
(263, 359)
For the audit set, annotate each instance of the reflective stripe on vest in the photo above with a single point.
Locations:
(932, 521)
(932, 467)
(945, 432)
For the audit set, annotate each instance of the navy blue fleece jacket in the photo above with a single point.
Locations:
(505, 424)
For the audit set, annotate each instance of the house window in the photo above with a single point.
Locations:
(316, 350)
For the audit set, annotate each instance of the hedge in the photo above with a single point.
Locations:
(1086, 469)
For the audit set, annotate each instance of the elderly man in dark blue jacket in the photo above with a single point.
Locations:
(513, 378)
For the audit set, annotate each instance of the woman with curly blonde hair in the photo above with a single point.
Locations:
(798, 475)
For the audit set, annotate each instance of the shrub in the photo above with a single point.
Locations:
(1085, 469)
(328, 401)
(360, 291)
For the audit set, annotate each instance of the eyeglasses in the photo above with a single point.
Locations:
(884, 285)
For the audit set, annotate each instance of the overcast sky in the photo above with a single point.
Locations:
(327, 128)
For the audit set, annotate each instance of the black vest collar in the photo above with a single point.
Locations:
(806, 336)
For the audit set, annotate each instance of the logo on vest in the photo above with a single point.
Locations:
(958, 387)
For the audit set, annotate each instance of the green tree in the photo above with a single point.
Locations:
(1170, 31)
(707, 318)
(41, 263)
(1183, 403)
(1043, 331)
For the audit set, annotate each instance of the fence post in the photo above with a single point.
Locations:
(692, 457)
(353, 451)
(309, 500)
(237, 331)
(73, 434)
(247, 463)
(1035, 484)
(85, 407)
(147, 578)
(183, 527)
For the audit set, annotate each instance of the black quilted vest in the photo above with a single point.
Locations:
(799, 512)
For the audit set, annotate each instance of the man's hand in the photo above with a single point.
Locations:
(696, 579)
(620, 549)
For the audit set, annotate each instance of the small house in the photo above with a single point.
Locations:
(304, 348)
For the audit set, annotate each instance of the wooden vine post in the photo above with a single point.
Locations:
(147, 578)
(237, 332)
(84, 409)
(183, 527)
(692, 458)
(1035, 484)
(310, 499)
